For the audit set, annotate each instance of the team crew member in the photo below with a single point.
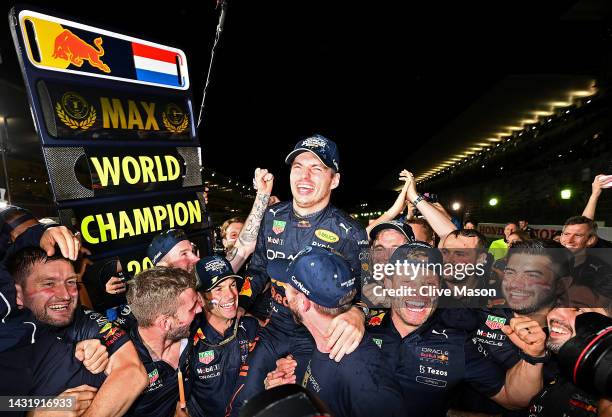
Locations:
(309, 219)
(168, 248)
(44, 365)
(48, 367)
(319, 286)
(13, 236)
(560, 397)
(579, 235)
(430, 358)
(47, 286)
(536, 275)
(172, 248)
(385, 238)
(220, 340)
(164, 301)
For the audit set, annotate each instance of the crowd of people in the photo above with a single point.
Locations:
(294, 299)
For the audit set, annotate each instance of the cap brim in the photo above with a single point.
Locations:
(220, 281)
(278, 269)
(383, 226)
(293, 154)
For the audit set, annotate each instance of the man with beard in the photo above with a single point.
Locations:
(536, 275)
(430, 359)
(319, 286)
(164, 301)
(288, 227)
(220, 340)
(560, 397)
(47, 286)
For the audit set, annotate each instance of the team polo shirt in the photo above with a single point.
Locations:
(88, 324)
(45, 367)
(560, 397)
(489, 339)
(162, 393)
(125, 318)
(216, 361)
(361, 385)
(432, 360)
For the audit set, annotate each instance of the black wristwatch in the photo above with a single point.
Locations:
(534, 360)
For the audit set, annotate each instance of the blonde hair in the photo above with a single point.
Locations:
(155, 292)
(227, 223)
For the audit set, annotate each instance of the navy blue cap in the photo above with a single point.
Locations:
(323, 276)
(323, 148)
(17, 216)
(163, 243)
(403, 228)
(212, 270)
(416, 252)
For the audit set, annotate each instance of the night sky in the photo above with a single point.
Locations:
(378, 78)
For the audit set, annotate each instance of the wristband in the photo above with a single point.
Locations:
(534, 360)
(417, 200)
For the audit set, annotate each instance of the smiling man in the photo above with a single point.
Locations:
(429, 358)
(172, 248)
(47, 285)
(220, 340)
(536, 275)
(560, 397)
(308, 220)
(579, 235)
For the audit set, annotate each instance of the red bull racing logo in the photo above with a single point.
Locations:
(70, 47)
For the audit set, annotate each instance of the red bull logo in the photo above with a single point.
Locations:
(246, 288)
(376, 320)
(70, 47)
(278, 297)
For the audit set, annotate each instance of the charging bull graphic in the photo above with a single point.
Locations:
(70, 47)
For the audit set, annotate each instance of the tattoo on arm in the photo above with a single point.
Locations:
(249, 232)
(231, 254)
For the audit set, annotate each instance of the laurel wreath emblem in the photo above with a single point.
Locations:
(75, 124)
(175, 128)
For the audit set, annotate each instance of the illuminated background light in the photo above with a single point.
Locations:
(566, 194)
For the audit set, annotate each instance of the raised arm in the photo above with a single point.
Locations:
(596, 187)
(438, 219)
(245, 244)
(396, 209)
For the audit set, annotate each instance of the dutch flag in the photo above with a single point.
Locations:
(156, 65)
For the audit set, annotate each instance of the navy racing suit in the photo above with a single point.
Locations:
(282, 235)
